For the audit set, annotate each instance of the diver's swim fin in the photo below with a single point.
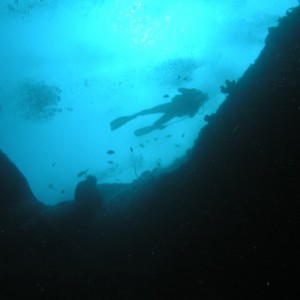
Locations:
(115, 124)
(144, 130)
(148, 129)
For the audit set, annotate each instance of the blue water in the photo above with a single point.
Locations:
(68, 68)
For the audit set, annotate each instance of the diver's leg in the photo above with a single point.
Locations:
(163, 108)
(159, 124)
(143, 131)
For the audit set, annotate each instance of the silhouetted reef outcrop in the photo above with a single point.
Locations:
(15, 191)
(223, 225)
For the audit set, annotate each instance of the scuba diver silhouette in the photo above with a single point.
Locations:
(185, 104)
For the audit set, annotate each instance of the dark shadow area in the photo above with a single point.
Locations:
(221, 226)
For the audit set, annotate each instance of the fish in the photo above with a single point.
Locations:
(51, 186)
(110, 152)
(53, 165)
(177, 145)
(110, 162)
(131, 150)
(142, 145)
(168, 136)
(183, 135)
(166, 96)
(62, 191)
(155, 139)
(81, 173)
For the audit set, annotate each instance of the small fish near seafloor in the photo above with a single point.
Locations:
(81, 173)
(110, 152)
